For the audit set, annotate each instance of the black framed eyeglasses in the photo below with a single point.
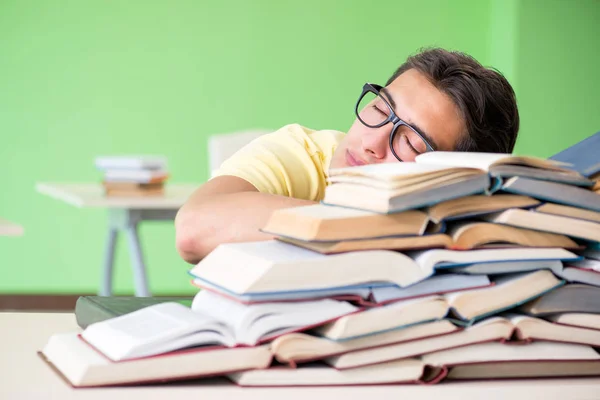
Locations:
(373, 110)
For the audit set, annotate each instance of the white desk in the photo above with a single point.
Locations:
(26, 376)
(8, 228)
(124, 215)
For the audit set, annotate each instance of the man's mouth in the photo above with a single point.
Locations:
(353, 161)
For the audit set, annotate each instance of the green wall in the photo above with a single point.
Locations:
(558, 71)
(83, 78)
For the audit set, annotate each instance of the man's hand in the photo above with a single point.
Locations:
(226, 209)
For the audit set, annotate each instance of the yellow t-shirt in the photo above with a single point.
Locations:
(292, 161)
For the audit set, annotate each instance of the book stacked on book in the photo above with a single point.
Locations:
(457, 266)
(133, 175)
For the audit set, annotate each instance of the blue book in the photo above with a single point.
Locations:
(583, 156)
(553, 192)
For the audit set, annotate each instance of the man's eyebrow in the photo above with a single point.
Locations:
(389, 98)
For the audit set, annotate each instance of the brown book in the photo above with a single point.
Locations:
(321, 222)
(479, 204)
(133, 189)
(461, 236)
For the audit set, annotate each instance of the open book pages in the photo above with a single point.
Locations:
(320, 222)
(571, 298)
(509, 291)
(582, 320)
(468, 235)
(569, 211)
(487, 161)
(436, 284)
(405, 371)
(510, 267)
(393, 200)
(470, 206)
(495, 351)
(381, 319)
(213, 320)
(273, 266)
(84, 366)
(365, 294)
(439, 240)
(478, 361)
(301, 347)
(554, 192)
(573, 227)
(492, 329)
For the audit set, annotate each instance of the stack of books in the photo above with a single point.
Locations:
(133, 175)
(457, 266)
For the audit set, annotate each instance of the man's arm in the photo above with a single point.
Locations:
(225, 209)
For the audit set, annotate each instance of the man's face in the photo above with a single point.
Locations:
(418, 103)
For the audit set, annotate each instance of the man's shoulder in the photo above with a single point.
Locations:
(321, 139)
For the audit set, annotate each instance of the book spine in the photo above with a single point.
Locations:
(88, 312)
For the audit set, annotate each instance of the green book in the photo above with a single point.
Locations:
(91, 309)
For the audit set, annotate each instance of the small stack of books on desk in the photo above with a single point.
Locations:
(129, 176)
(458, 266)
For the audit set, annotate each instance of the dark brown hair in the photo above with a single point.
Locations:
(486, 100)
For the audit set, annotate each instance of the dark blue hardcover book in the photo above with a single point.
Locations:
(584, 156)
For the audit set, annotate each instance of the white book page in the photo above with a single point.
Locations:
(440, 257)
(151, 330)
(504, 352)
(389, 170)
(462, 159)
(274, 251)
(251, 322)
(588, 263)
(434, 284)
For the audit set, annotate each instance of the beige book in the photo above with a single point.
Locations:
(525, 328)
(582, 320)
(469, 205)
(460, 236)
(301, 347)
(321, 222)
(548, 223)
(83, 366)
(568, 211)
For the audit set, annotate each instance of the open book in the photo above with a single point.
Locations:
(272, 266)
(469, 306)
(478, 361)
(364, 294)
(212, 320)
(433, 178)
(294, 348)
(321, 222)
(466, 235)
(573, 227)
(502, 329)
(568, 211)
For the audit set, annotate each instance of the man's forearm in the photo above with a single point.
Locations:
(225, 218)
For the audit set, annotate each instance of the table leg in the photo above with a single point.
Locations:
(109, 261)
(137, 261)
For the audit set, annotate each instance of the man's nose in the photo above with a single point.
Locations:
(375, 141)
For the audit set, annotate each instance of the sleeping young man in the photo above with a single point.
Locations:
(436, 100)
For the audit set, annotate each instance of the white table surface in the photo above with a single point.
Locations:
(92, 195)
(8, 228)
(25, 376)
